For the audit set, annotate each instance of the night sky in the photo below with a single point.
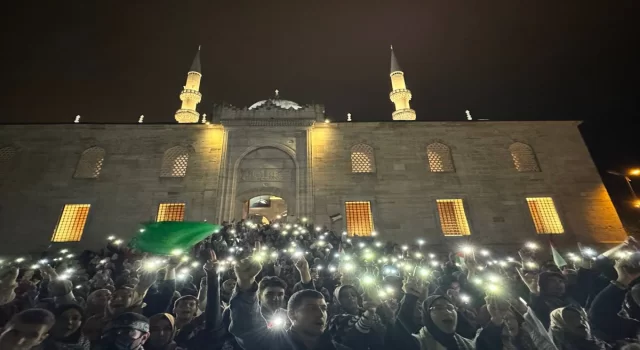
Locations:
(111, 61)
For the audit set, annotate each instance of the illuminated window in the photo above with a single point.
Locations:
(440, 160)
(90, 163)
(175, 161)
(171, 212)
(453, 220)
(524, 158)
(71, 223)
(359, 218)
(362, 160)
(544, 215)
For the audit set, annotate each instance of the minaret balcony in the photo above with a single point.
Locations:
(187, 116)
(193, 95)
(404, 114)
(400, 94)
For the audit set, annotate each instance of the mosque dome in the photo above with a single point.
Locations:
(276, 101)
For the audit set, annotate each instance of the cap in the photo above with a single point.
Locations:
(130, 320)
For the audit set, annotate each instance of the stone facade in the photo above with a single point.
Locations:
(295, 155)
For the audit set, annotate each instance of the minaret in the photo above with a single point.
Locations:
(400, 95)
(190, 95)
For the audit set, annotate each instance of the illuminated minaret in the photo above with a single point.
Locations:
(400, 95)
(190, 95)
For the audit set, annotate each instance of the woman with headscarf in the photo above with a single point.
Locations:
(439, 320)
(570, 330)
(163, 329)
(353, 327)
(66, 333)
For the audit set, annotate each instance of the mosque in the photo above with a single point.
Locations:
(496, 183)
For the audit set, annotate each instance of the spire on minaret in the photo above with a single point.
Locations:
(395, 67)
(400, 95)
(195, 66)
(190, 95)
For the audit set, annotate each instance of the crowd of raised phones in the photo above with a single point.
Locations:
(296, 286)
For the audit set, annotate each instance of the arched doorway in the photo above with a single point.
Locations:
(264, 209)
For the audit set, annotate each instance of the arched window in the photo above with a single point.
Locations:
(6, 154)
(90, 163)
(362, 160)
(524, 159)
(440, 160)
(175, 161)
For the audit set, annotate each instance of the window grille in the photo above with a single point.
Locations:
(545, 216)
(362, 160)
(90, 163)
(174, 163)
(359, 218)
(524, 159)
(440, 160)
(71, 223)
(171, 212)
(453, 219)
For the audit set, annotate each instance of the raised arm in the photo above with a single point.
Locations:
(213, 311)
(247, 324)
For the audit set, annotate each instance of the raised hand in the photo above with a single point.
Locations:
(302, 265)
(246, 271)
(49, 271)
(211, 267)
(530, 279)
(415, 287)
(497, 308)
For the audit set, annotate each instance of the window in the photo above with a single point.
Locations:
(362, 159)
(171, 212)
(524, 158)
(545, 216)
(90, 163)
(359, 218)
(453, 220)
(6, 154)
(71, 223)
(440, 160)
(174, 163)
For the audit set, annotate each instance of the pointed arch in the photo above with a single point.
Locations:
(90, 163)
(175, 162)
(439, 157)
(524, 158)
(362, 159)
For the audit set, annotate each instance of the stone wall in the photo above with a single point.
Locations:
(403, 191)
(39, 181)
(127, 192)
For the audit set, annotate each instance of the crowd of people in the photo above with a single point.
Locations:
(300, 287)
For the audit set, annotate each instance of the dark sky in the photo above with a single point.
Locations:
(111, 61)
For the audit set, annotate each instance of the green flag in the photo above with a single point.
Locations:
(557, 258)
(166, 236)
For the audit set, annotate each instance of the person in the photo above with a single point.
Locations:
(27, 329)
(67, 331)
(605, 309)
(213, 333)
(185, 310)
(552, 295)
(127, 331)
(570, 330)
(439, 319)
(306, 309)
(271, 291)
(162, 329)
(352, 326)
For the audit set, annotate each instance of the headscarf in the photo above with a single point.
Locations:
(75, 341)
(336, 305)
(448, 340)
(566, 341)
(172, 321)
